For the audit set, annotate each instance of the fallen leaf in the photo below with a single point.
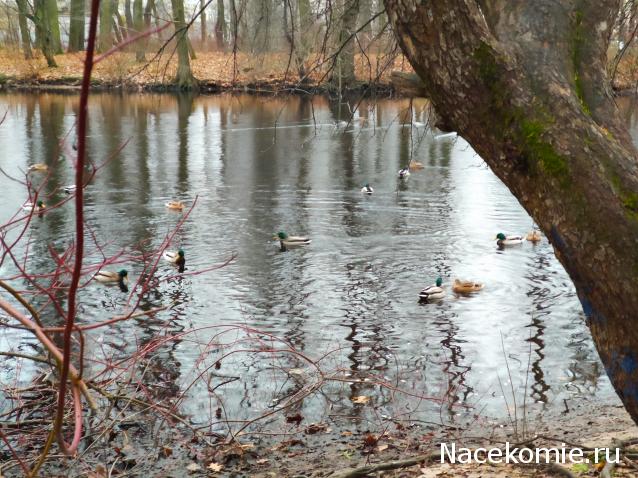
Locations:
(346, 433)
(382, 447)
(315, 428)
(360, 399)
(261, 461)
(216, 467)
(294, 419)
(193, 467)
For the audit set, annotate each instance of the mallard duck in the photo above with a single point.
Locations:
(503, 240)
(367, 189)
(71, 188)
(286, 241)
(404, 173)
(176, 258)
(175, 205)
(110, 277)
(39, 206)
(432, 292)
(415, 166)
(466, 286)
(38, 167)
(534, 236)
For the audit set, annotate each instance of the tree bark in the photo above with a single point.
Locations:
(138, 26)
(525, 83)
(128, 15)
(184, 79)
(43, 31)
(25, 36)
(344, 74)
(53, 24)
(105, 37)
(76, 27)
(220, 25)
(202, 4)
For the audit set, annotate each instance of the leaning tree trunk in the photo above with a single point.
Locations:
(184, 78)
(25, 35)
(43, 31)
(525, 83)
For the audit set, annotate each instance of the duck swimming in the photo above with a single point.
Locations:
(432, 292)
(534, 236)
(286, 241)
(109, 277)
(367, 189)
(38, 167)
(176, 258)
(502, 240)
(175, 205)
(39, 206)
(466, 286)
(404, 173)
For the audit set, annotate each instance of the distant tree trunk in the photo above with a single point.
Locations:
(220, 25)
(130, 23)
(364, 18)
(43, 31)
(184, 78)
(344, 75)
(120, 28)
(234, 25)
(105, 37)
(117, 32)
(148, 11)
(76, 28)
(525, 83)
(24, 28)
(203, 21)
(138, 27)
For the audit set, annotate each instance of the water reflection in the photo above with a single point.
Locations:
(259, 165)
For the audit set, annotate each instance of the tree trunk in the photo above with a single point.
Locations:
(76, 28)
(184, 78)
(138, 26)
(24, 28)
(220, 25)
(234, 25)
(130, 23)
(525, 83)
(202, 3)
(43, 31)
(343, 76)
(105, 37)
(53, 25)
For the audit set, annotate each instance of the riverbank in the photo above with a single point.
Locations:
(215, 72)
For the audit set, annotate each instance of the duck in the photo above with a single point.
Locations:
(432, 292)
(286, 241)
(415, 166)
(534, 236)
(38, 167)
(404, 173)
(39, 206)
(367, 189)
(177, 258)
(502, 240)
(175, 205)
(71, 188)
(466, 286)
(110, 277)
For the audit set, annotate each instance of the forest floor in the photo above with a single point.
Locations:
(215, 71)
(222, 71)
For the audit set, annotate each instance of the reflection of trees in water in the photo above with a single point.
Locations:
(455, 371)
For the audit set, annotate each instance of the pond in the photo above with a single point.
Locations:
(256, 166)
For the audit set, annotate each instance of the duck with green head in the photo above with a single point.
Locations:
(367, 189)
(110, 277)
(38, 207)
(176, 258)
(286, 241)
(432, 292)
(502, 240)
